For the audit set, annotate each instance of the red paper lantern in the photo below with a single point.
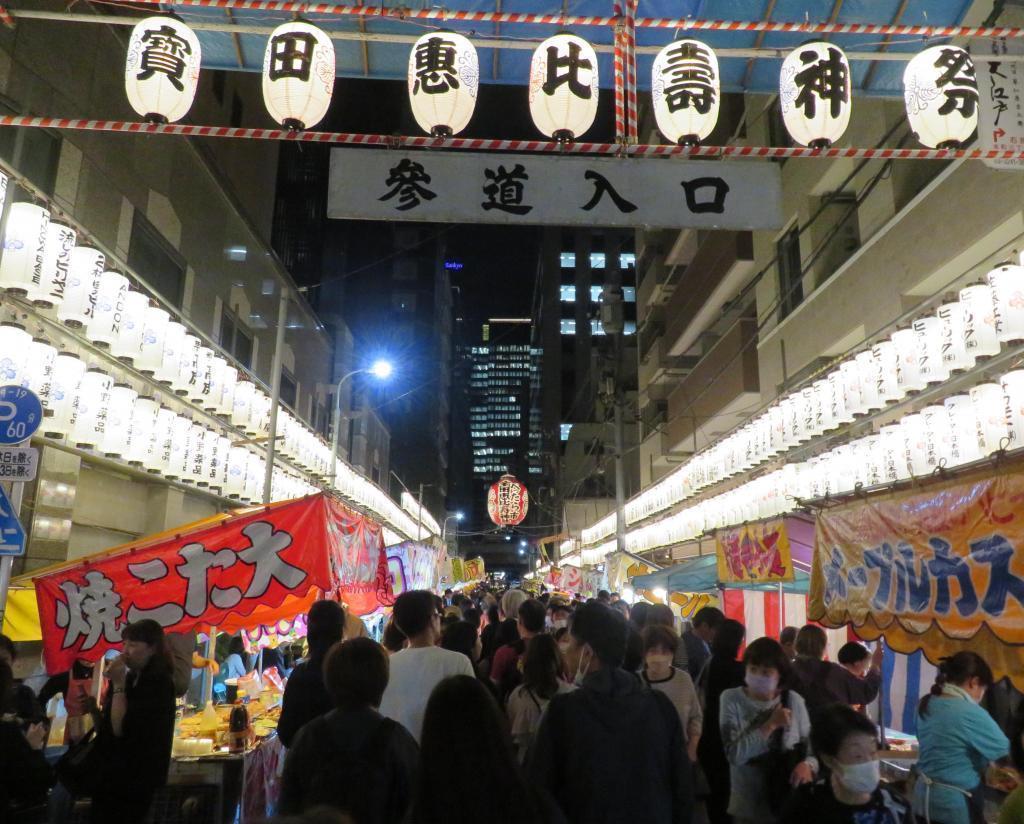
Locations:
(507, 501)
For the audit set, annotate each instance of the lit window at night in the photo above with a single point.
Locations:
(565, 429)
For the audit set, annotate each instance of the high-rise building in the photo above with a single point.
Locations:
(504, 410)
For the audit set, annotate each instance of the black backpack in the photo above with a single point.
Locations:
(355, 781)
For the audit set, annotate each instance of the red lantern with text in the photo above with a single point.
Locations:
(507, 501)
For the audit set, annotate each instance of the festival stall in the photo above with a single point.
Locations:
(247, 569)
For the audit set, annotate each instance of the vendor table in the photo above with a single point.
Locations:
(247, 785)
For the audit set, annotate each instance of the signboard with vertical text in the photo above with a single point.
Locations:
(553, 190)
(1001, 99)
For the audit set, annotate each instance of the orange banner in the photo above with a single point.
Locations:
(754, 553)
(938, 570)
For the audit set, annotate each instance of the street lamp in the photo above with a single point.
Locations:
(382, 370)
(458, 516)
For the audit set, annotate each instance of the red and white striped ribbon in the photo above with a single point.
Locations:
(561, 20)
(619, 69)
(493, 145)
(631, 99)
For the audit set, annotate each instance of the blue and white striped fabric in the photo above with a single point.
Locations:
(905, 679)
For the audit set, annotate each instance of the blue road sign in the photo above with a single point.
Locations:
(20, 414)
(12, 535)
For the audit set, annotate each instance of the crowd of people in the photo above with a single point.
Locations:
(539, 709)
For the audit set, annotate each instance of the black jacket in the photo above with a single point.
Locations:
(305, 698)
(24, 774)
(821, 683)
(613, 751)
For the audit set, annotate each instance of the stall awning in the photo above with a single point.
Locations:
(239, 570)
(701, 575)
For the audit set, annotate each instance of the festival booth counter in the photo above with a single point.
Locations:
(246, 569)
(933, 570)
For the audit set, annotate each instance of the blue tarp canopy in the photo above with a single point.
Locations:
(226, 50)
(700, 574)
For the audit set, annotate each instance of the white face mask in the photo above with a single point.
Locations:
(581, 668)
(762, 684)
(559, 623)
(860, 778)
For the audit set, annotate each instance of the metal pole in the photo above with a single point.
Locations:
(275, 392)
(14, 495)
(337, 416)
(883, 743)
(419, 517)
(782, 611)
(209, 653)
(620, 478)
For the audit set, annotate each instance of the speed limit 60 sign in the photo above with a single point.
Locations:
(21, 413)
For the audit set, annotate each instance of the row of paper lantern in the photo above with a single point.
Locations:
(85, 406)
(42, 263)
(444, 78)
(961, 429)
(974, 325)
(420, 514)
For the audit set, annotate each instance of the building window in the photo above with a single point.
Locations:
(235, 338)
(156, 260)
(565, 429)
(289, 388)
(791, 284)
(567, 260)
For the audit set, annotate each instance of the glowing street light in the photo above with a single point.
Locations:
(381, 370)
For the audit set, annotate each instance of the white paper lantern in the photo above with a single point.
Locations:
(932, 367)
(979, 320)
(186, 377)
(91, 404)
(158, 458)
(814, 94)
(83, 281)
(241, 410)
(199, 386)
(161, 71)
(151, 348)
(894, 453)
(850, 370)
(215, 387)
(908, 369)
(39, 369)
(14, 343)
(954, 339)
(963, 430)
(1013, 392)
(259, 413)
(169, 371)
(237, 461)
(686, 91)
(229, 379)
(869, 378)
(60, 240)
(127, 346)
(915, 435)
(194, 454)
(940, 436)
(443, 81)
(808, 406)
(887, 364)
(1007, 282)
(21, 267)
(776, 430)
(837, 397)
(564, 87)
(140, 437)
(298, 74)
(219, 472)
(255, 470)
(209, 461)
(990, 407)
(68, 370)
(177, 464)
(940, 91)
(841, 467)
(104, 325)
(120, 418)
(874, 465)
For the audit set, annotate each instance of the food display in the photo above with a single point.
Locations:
(210, 732)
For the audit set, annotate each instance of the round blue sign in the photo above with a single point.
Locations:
(21, 413)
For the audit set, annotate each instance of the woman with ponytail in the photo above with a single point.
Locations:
(958, 741)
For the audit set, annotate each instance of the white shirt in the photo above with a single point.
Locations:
(414, 674)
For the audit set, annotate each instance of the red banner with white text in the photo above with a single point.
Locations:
(250, 567)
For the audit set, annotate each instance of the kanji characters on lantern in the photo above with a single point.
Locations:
(507, 501)
(161, 71)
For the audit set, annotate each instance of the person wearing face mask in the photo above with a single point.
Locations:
(846, 742)
(958, 740)
(762, 727)
(422, 665)
(560, 613)
(612, 750)
(542, 681)
(659, 649)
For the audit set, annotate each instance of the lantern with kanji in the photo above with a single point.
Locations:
(814, 94)
(161, 72)
(686, 91)
(941, 95)
(563, 87)
(507, 501)
(444, 75)
(298, 74)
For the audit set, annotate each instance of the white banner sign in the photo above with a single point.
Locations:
(1000, 89)
(18, 463)
(553, 190)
